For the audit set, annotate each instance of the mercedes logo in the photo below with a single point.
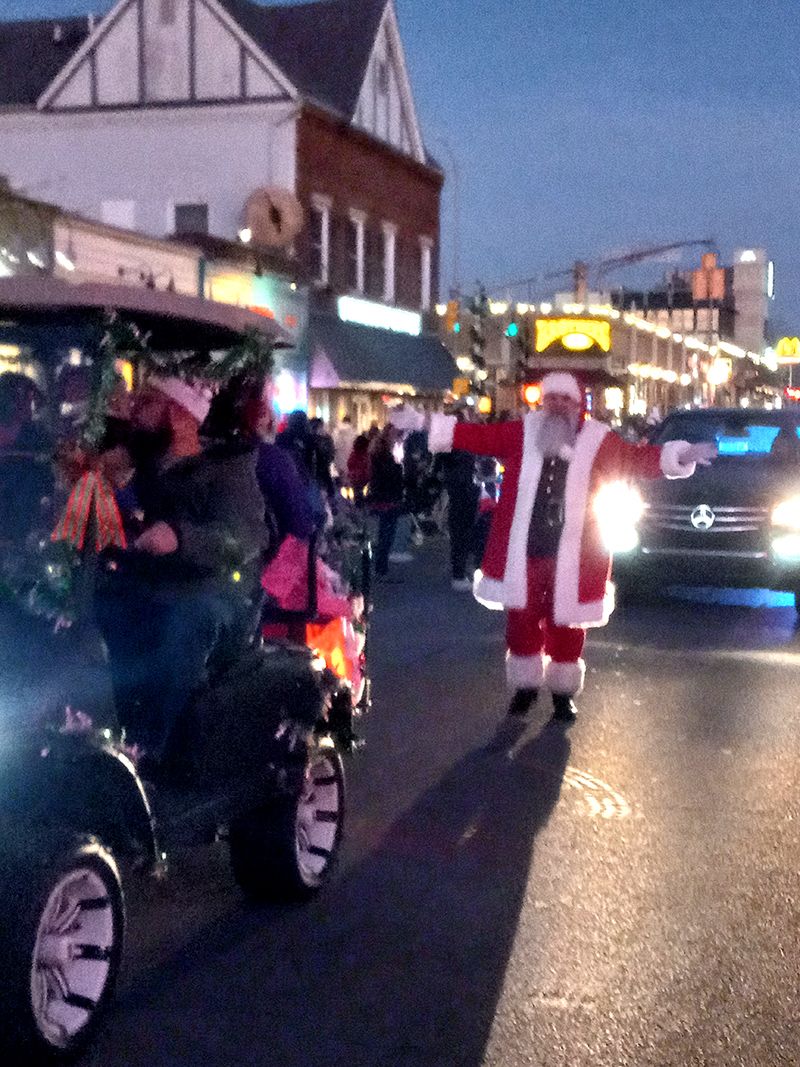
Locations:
(702, 517)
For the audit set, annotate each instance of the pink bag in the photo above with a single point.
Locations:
(286, 579)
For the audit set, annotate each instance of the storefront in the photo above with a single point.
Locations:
(360, 370)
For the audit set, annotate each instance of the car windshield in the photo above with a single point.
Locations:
(737, 432)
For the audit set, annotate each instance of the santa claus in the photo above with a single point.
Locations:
(547, 562)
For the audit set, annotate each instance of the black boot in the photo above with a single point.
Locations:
(564, 709)
(522, 701)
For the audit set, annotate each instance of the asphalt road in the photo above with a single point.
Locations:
(624, 892)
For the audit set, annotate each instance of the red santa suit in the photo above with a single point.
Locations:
(580, 592)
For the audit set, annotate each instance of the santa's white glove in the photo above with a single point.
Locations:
(406, 418)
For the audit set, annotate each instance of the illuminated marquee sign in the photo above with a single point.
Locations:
(367, 313)
(787, 350)
(577, 335)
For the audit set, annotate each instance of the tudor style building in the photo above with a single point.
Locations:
(292, 128)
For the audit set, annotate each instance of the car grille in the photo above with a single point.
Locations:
(726, 519)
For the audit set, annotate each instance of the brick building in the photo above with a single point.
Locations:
(289, 128)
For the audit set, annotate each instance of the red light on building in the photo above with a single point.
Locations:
(532, 394)
(792, 392)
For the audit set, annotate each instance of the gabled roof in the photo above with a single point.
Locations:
(32, 53)
(323, 47)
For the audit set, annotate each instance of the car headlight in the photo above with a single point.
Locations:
(787, 547)
(787, 513)
(618, 507)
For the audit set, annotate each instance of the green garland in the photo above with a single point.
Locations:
(43, 581)
(42, 576)
(251, 357)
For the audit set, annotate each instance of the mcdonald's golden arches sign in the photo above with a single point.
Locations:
(787, 350)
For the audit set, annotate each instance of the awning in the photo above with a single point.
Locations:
(347, 354)
(174, 321)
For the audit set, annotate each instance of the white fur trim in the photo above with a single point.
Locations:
(563, 384)
(567, 609)
(671, 466)
(565, 678)
(194, 397)
(488, 591)
(440, 434)
(513, 590)
(524, 672)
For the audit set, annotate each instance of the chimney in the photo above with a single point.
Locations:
(90, 22)
(579, 274)
(58, 33)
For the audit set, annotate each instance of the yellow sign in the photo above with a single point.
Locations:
(461, 386)
(787, 350)
(575, 334)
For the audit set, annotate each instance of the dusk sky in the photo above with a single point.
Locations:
(590, 128)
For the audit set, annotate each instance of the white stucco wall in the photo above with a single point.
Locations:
(154, 157)
(120, 258)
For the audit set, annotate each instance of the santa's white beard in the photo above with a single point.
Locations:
(555, 433)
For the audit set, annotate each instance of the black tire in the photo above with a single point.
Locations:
(61, 942)
(287, 849)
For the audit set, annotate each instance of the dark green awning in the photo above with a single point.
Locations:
(346, 353)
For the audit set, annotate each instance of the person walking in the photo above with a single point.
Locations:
(463, 495)
(385, 495)
(359, 468)
(343, 440)
(547, 562)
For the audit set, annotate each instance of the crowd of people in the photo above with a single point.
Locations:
(209, 489)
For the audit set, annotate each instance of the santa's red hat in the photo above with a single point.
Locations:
(564, 384)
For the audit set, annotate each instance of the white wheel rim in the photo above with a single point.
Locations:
(319, 817)
(72, 956)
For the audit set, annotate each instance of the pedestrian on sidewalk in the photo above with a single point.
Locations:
(547, 561)
(463, 496)
(385, 495)
(359, 468)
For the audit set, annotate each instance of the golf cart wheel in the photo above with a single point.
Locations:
(61, 944)
(287, 849)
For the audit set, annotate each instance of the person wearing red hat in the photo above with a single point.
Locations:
(546, 561)
(187, 584)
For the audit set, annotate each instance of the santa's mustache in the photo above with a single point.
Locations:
(556, 432)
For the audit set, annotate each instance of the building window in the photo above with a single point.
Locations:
(426, 257)
(166, 12)
(320, 241)
(389, 252)
(355, 252)
(191, 218)
(373, 263)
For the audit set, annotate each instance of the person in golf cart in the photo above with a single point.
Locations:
(188, 584)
